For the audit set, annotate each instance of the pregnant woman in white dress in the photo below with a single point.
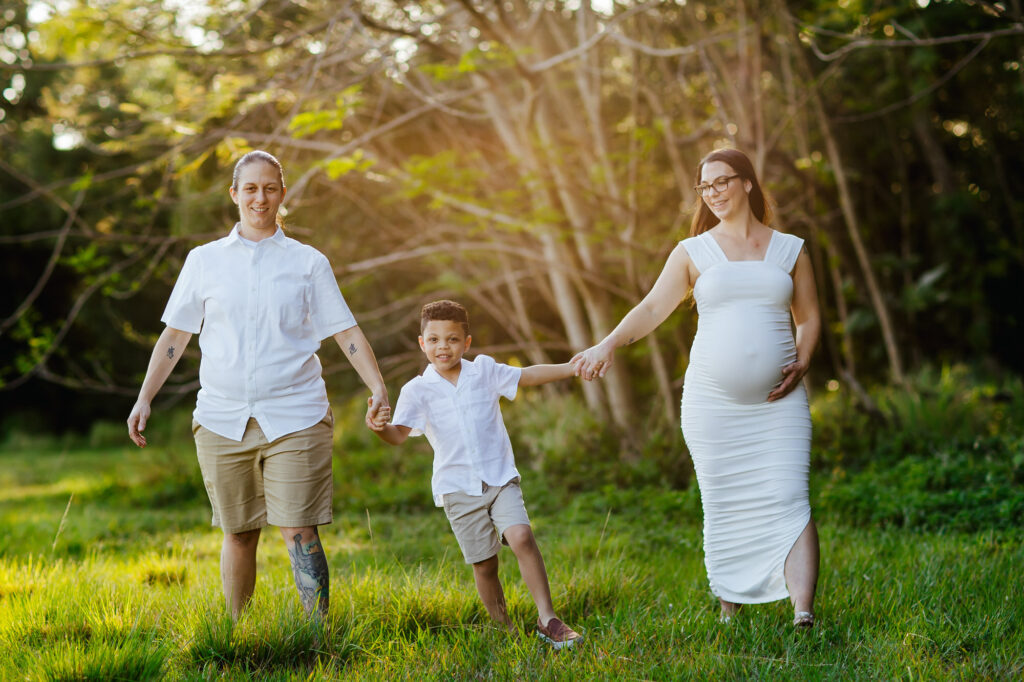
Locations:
(744, 411)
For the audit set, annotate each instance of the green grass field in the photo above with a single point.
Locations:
(109, 570)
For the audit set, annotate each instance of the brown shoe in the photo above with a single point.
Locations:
(557, 634)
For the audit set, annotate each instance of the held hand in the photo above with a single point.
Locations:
(378, 412)
(592, 363)
(792, 374)
(137, 423)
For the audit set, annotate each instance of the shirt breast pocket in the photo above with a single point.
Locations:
(289, 298)
(481, 404)
(444, 415)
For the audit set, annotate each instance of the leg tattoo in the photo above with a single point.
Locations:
(309, 566)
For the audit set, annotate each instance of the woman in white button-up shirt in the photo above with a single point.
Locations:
(261, 303)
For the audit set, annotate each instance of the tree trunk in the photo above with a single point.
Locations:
(567, 305)
(850, 218)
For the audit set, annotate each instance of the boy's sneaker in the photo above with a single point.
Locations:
(557, 634)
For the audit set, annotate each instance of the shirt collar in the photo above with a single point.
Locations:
(236, 236)
(468, 369)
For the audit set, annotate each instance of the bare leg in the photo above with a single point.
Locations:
(801, 569)
(531, 565)
(309, 567)
(238, 569)
(729, 609)
(485, 573)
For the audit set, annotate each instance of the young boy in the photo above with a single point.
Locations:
(455, 403)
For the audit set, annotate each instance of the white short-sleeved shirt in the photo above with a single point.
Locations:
(261, 311)
(463, 424)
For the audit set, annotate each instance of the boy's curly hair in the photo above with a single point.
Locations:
(449, 311)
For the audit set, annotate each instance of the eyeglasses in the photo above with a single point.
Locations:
(720, 184)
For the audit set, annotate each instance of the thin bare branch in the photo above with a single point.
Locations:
(586, 45)
(857, 43)
(50, 265)
(76, 308)
(178, 54)
(449, 246)
(107, 386)
(682, 51)
(920, 93)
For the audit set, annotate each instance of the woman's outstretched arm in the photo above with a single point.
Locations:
(671, 287)
(166, 353)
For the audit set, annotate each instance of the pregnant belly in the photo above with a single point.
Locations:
(744, 359)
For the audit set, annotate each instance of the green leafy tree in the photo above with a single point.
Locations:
(531, 158)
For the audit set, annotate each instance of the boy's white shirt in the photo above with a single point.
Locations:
(463, 424)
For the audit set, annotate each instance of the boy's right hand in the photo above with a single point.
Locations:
(377, 421)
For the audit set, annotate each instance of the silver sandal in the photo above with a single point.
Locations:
(803, 619)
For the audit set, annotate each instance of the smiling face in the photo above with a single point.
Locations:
(258, 194)
(731, 202)
(444, 342)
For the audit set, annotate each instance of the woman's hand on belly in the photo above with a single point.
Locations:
(792, 375)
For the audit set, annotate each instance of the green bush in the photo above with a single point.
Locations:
(557, 437)
(944, 453)
(370, 474)
(560, 438)
(939, 409)
(560, 448)
(980, 487)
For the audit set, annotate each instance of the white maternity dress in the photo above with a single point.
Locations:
(751, 456)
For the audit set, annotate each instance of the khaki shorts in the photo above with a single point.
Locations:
(254, 483)
(480, 521)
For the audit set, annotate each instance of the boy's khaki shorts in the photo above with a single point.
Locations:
(480, 521)
(253, 483)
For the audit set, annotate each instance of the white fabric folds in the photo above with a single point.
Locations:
(751, 457)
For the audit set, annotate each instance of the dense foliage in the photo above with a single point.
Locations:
(527, 157)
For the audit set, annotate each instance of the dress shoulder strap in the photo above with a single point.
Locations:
(784, 249)
(703, 254)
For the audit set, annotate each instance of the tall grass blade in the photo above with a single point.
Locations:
(60, 527)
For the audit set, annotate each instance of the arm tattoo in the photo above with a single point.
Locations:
(170, 352)
(631, 340)
(352, 349)
(313, 580)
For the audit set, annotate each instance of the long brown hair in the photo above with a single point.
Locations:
(703, 218)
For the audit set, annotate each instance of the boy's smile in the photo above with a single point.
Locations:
(444, 343)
